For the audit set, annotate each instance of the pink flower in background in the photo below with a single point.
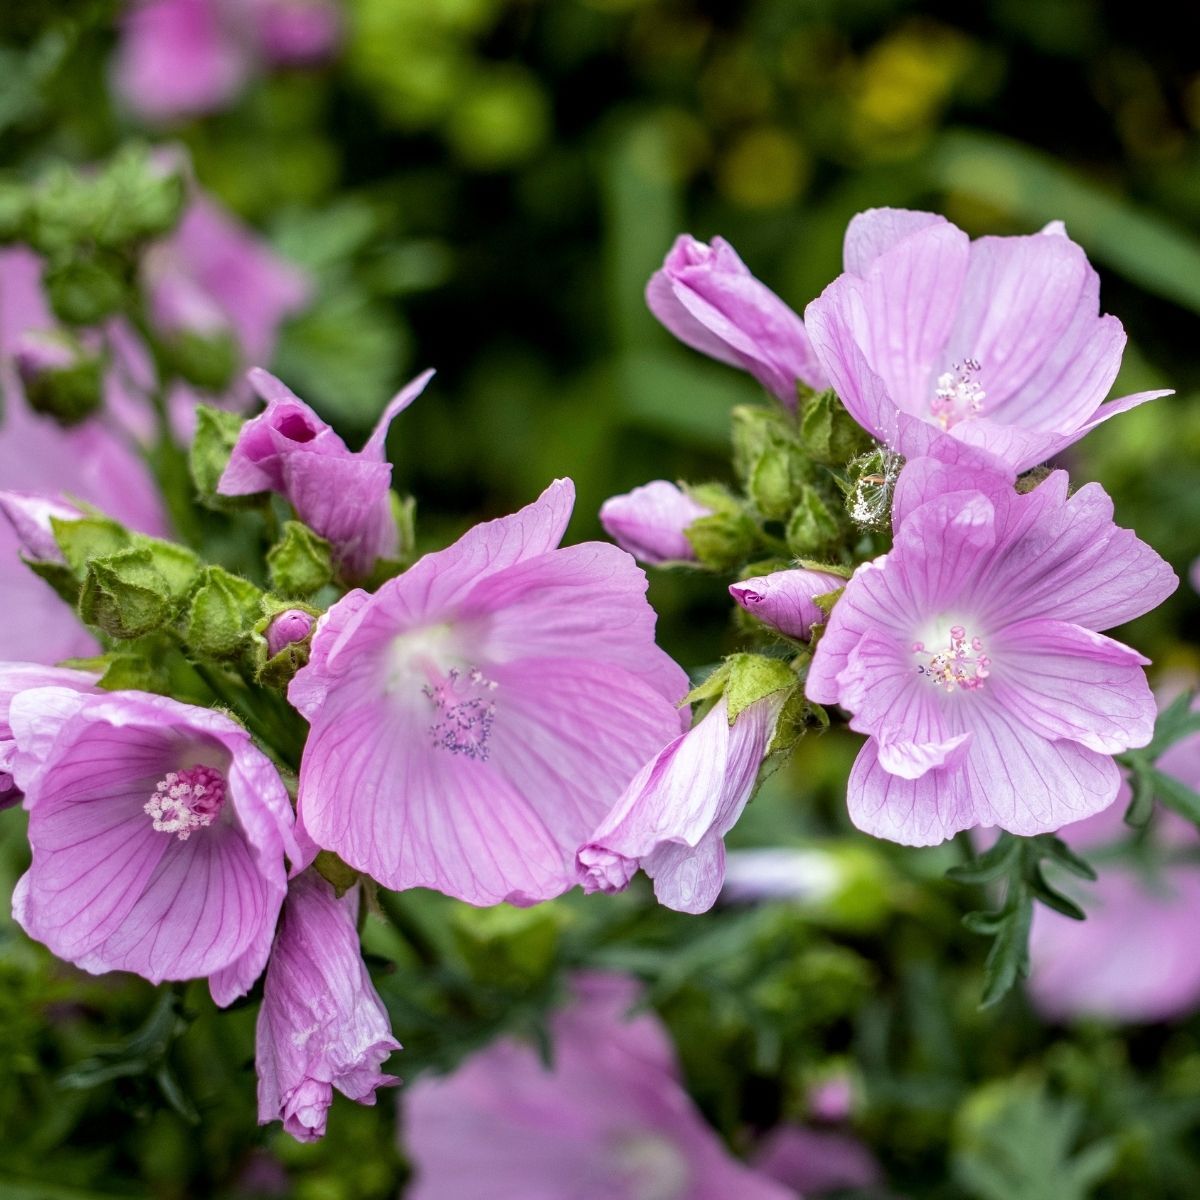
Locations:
(474, 719)
(1137, 956)
(817, 1161)
(706, 296)
(998, 342)
(16, 677)
(42, 460)
(158, 833)
(342, 495)
(321, 1025)
(970, 656)
(673, 817)
(784, 599)
(651, 522)
(609, 1120)
(184, 58)
(30, 517)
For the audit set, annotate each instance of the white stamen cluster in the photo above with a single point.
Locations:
(964, 665)
(958, 394)
(186, 800)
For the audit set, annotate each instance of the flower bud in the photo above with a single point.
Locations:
(290, 626)
(706, 296)
(784, 599)
(650, 522)
(60, 377)
(29, 515)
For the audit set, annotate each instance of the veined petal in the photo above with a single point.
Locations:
(1063, 681)
(877, 230)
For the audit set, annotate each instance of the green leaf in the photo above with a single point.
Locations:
(1008, 959)
(988, 866)
(1176, 795)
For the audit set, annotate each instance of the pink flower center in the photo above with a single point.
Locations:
(964, 665)
(186, 800)
(462, 700)
(958, 395)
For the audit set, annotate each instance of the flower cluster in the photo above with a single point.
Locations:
(220, 789)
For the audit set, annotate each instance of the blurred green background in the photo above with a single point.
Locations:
(484, 186)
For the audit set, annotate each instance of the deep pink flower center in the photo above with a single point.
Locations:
(186, 800)
(958, 395)
(464, 708)
(296, 428)
(963, 665)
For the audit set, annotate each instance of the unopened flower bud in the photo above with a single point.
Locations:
(785, 599)
(30, 515)
(61, 377)
(291, 625)
(650, 522)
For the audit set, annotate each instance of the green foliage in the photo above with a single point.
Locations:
(221, 613)
(216, 435)
(300, 563)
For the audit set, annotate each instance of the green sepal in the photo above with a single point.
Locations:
(69, 394)
(209, 361)
(830, 435)
(124, 595)
(744, 679)
(221, 614)
(723, 540)
(812, 525)
(338, 874)
(179, 567)
(216, 435)
(301, 562)
(826, 600)
(87, 538)
(796, 718)
(59, 576)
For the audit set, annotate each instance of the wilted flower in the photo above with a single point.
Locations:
(474, 719)
(784, 599)
(609, 1118)
(342, 495)
(651, 522)
(706, 296)
(1137, 956)
(998, 342)
(291, 625)
(18, 677)
(673, 817)
(970, 657)
(158, 833)
(321, 1025)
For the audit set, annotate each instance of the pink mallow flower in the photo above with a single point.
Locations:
(321, 1025)
(817, 1161)
(41, 459)
(608, 1119)
(673, 818)
(16, 677)
(182, 58)
(651, 522)
(158, 833)
(970, 655)
(706, 296)
(342, 495)
(784, 599)
(475, 718)
(997, 341)
(1137, 956)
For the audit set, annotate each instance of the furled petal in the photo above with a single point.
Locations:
(674, 814)
(707, 297)
(1063, 681)
(321, 1025)
(784, 600)
(651, 522)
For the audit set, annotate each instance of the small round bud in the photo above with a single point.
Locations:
(292, 625)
